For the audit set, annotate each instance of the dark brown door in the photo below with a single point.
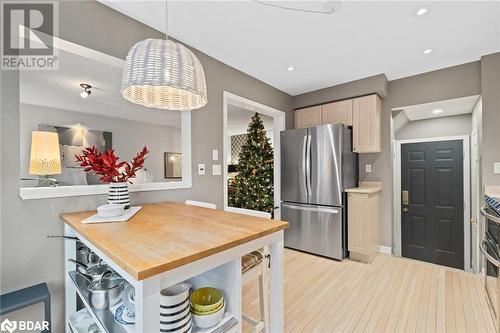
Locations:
(433, 217)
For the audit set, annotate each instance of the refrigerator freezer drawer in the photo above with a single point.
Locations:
(315, 229)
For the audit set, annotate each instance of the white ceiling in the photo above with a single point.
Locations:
(360, 39)
(61, 89)
(238, 119)
(450, 107)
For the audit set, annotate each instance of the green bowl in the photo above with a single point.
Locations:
(207, 313)
(206, 299)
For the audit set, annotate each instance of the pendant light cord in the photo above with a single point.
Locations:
(166, 19)
(328, 9)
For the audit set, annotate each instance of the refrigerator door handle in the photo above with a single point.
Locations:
(304, 165)
(308, 165)
(312, 209)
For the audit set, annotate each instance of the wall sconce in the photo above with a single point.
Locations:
(86, 90)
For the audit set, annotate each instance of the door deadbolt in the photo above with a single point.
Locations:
(404, 197)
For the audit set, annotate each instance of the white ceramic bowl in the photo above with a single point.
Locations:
(209, 320)
(175, 295)
(110, 210)
(129, 298)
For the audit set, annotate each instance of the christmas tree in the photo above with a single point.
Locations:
(252, 188)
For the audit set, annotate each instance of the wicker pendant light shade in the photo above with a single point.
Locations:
(164, 74)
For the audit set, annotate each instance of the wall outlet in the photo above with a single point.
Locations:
(368, 168)
(201, 169)
(496, 167)
(215, 155)
(216, 170)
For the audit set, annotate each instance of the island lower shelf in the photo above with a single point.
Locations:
(104, 319)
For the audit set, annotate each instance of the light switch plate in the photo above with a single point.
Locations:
(496, 167)
(216, 169)
(368, 168)
(215, 155)
(201, 169)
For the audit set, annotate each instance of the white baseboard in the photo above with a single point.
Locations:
(385, 249)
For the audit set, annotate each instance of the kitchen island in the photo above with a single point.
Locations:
(168, 243)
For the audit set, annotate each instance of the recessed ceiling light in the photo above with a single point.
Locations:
(437, 111)
(428, 51)
(290, 68)
(422, 11)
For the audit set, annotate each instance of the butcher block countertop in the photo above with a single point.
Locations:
(163, 236)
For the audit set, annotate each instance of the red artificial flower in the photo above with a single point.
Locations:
(107, 166)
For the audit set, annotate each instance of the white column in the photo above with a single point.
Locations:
(147, 306)
(276, 312)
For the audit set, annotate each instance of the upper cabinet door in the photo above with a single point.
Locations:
(308, 117)
(366, 124)
(338, 112)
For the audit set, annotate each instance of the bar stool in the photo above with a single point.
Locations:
(23, 298)
(200, 204)
(253, 267)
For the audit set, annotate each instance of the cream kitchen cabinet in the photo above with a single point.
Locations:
(364, 114)
(366, 124)
(363, 206)
(308, 117)
(338, 112)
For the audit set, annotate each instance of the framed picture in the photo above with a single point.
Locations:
(173, 165)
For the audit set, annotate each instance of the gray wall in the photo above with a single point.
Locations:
(376, 84)
(436, 127)
(27, 257)
(448, 83)
(490, 86)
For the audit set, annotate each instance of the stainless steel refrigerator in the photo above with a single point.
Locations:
(317, 164)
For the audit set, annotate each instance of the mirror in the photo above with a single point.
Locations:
(58, 101)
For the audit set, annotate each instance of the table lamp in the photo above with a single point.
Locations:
(45, 157)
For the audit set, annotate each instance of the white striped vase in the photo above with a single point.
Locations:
(118, 194)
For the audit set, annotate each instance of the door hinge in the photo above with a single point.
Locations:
(473, 220)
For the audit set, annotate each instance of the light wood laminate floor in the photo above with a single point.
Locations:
(388, 295)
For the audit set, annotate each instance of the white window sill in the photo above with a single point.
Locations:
(29, 193)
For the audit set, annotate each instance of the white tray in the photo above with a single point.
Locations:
(122, 218)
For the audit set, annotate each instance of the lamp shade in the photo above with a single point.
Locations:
(163, 74)
(45, 157)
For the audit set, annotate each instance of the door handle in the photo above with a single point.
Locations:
(405, 209)
(404, 197)
(308, 165)
(304, 163)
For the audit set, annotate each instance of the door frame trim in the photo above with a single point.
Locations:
(396, 167)
(278, 116)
